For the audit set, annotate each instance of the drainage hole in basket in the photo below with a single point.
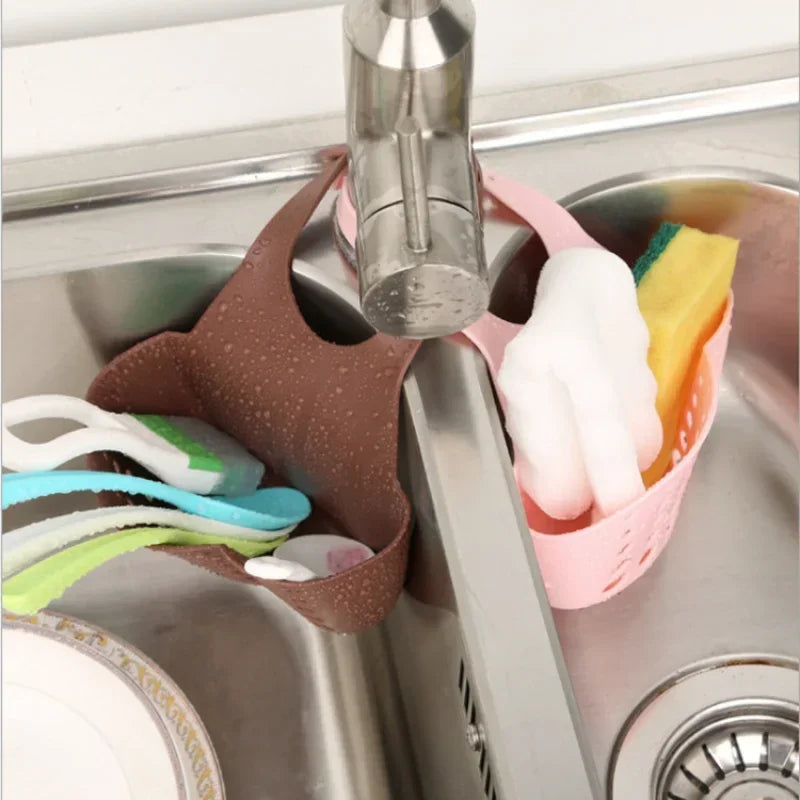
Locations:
(625, 547)
(647, 554)
(618, 574)
(621, 567)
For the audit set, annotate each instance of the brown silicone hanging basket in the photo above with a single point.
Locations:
(323, 417)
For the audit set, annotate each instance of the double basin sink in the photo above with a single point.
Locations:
(438, 702)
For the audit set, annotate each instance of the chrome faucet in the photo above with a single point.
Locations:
(421, 264)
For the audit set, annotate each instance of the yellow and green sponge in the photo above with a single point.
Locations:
(682, 280)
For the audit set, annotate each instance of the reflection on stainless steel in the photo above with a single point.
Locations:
(770, 391)
(637, 114)
(422, 269)
(413, 181)
(297, 713)
(728, 580)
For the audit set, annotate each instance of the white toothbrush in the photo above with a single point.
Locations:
(186, 453)
(24, 546)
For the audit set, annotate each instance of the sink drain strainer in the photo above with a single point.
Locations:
(737, 753)
(727, 731)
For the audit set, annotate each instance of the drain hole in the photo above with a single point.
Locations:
(738, 761)
(701, 786)
(791, 762)
(646, 555)
(763, 758)
(716, 768)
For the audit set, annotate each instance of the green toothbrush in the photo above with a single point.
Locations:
(39, 584)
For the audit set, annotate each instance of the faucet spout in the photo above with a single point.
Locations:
(419, 248)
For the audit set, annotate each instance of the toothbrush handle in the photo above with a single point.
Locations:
(268, 509)
(24, 546)
(56, 406)
(38, 585)
(103, 431)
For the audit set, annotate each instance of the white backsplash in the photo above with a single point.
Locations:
(143, 85)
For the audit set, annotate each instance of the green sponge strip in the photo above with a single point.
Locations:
(658, 244)
(199, 456)
(35, 587)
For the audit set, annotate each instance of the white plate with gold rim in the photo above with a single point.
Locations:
(88, 717)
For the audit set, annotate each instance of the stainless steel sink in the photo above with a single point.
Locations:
(471, 688)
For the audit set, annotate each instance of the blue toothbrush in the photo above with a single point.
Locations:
(265, 509)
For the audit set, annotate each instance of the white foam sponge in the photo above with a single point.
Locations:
(579, 395)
